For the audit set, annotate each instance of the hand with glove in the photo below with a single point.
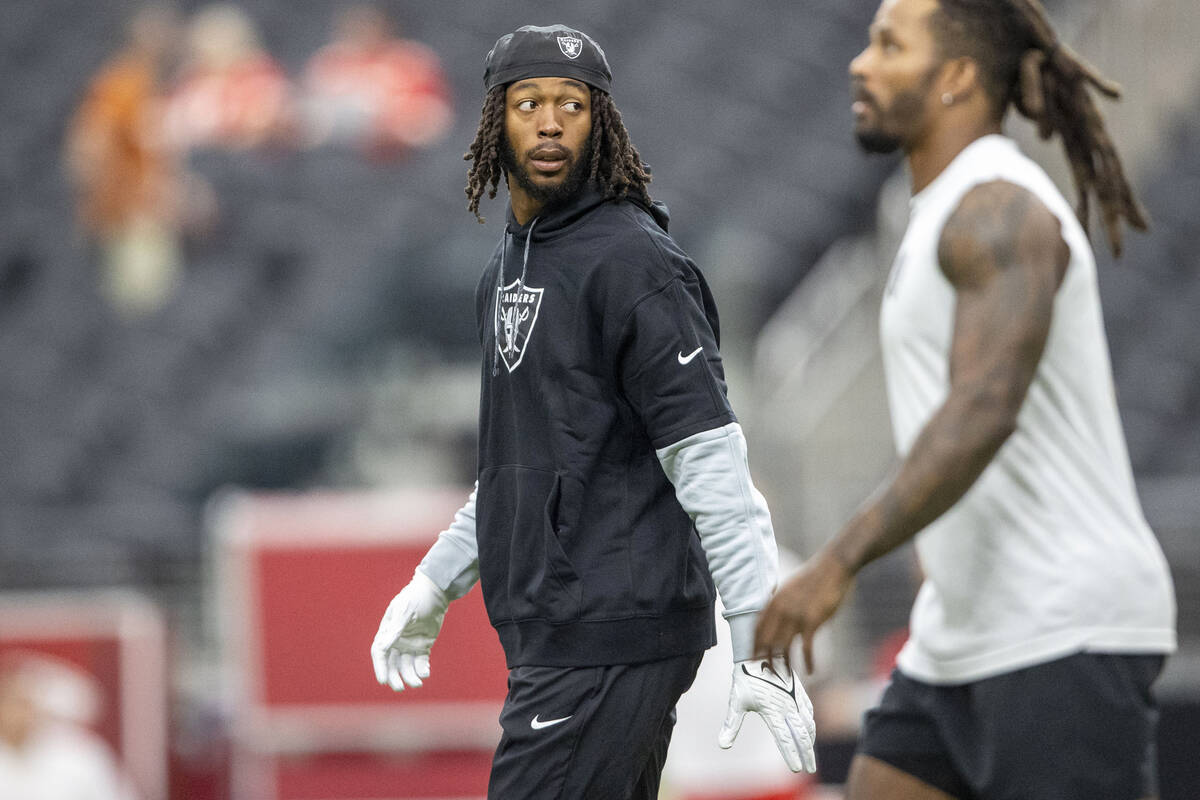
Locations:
(400, 651)
(770, 688)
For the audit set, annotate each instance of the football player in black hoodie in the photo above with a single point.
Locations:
(614, 496)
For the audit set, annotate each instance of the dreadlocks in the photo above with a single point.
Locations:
(615, 166)
(1024, 64)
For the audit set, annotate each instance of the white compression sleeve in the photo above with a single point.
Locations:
(453, 561)
(711, 475)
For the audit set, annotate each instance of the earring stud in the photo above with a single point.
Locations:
(947, 99)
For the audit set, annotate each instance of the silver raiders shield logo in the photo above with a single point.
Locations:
(516, 314)
(571, 46)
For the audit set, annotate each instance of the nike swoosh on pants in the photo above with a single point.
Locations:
(538, 724)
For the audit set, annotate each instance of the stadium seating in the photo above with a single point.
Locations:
(259, 370)
(294, 353)
(323, 262)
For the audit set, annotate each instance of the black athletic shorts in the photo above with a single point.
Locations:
(1079, 728)
(590, 733)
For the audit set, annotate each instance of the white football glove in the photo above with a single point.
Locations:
(400, 651)
(771, 689)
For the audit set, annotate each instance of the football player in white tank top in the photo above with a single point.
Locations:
(1047, 604)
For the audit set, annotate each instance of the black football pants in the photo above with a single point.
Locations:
(588, 733)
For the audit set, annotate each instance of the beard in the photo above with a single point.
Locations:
(547, 195)
(892, 123)
(878, 141)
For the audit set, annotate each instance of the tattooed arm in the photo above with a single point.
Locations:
(1004, 253)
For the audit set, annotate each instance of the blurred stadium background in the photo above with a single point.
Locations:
(206, 502)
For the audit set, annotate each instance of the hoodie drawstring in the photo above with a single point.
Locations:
(496, 310)
(500, 289)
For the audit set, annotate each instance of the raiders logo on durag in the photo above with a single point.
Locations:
(516, 314)
(571, 46)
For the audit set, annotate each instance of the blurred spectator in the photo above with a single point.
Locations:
(231, 93)
(46, 750)
(369, 88)
(129, 184)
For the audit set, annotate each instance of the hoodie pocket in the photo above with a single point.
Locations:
(527, 574)
(557, 560)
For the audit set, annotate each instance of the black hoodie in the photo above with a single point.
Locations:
(600, 346)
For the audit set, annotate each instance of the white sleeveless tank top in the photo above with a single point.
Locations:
(1048, 553)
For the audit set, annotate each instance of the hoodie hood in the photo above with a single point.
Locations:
(660, 214)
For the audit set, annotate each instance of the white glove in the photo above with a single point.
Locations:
(400, 651)
(771, 689)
